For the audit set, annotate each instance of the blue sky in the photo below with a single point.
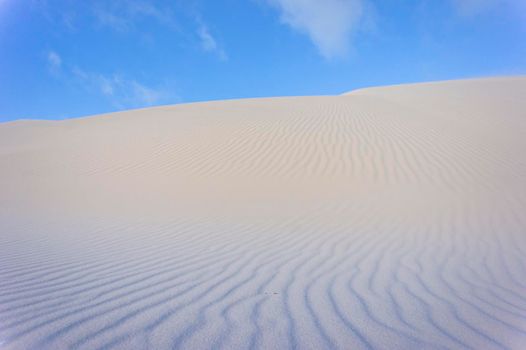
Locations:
(70, 58)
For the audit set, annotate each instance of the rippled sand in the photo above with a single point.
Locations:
(386, 218)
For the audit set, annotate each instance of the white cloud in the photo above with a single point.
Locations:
(208, 42)
(123, 92)
(122, 16)
(54, 60)
(330, 24)
(477, 7)
(127, 17)
(473, 7)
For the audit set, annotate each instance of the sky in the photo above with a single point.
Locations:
(69, 58)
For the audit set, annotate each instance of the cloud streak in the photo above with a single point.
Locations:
(123, 16)
(330, 24)
(474, 7)
(121, 91)
(209, 43)
(54, 60)
(471, 8)
(128, 17)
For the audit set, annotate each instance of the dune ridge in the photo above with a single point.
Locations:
(385, 218)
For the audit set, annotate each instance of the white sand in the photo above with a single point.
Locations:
(386, 218)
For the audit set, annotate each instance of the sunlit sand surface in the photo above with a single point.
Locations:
(385, 218)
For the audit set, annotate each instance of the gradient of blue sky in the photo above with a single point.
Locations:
(68, 58)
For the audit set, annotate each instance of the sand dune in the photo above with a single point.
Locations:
(385, 218)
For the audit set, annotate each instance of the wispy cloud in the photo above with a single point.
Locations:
(330, 24)
(208, 42)
(124, 15)
(119, 90)
(471, 8)
(474, 7)
(54, 61)
(141, 19)
(127, 16)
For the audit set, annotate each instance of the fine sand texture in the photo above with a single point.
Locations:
(385, 218)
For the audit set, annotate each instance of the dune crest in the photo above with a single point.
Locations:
(385, 218)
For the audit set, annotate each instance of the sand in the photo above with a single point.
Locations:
(385, 218)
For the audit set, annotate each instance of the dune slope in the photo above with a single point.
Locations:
(386, 218)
